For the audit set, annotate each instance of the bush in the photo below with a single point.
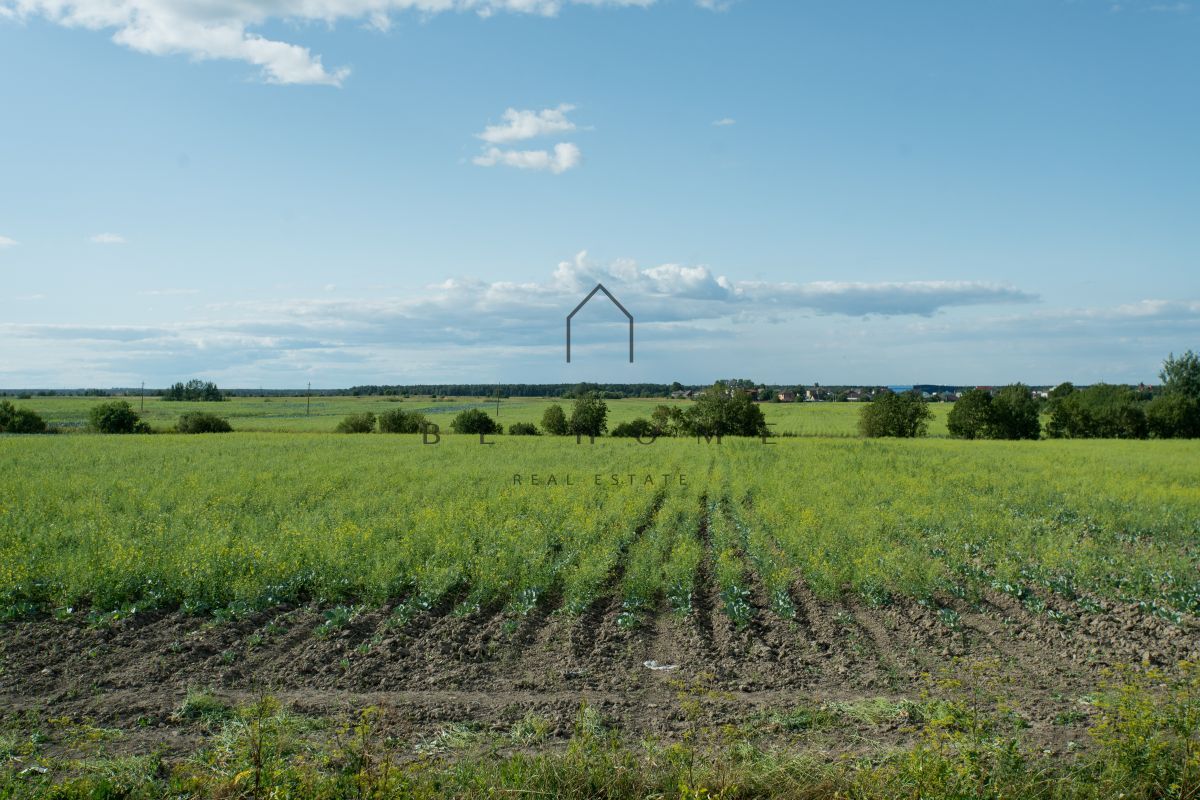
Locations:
(357, 423)
(971, 415)
(116, 417)
(202, 422)
(397, 421)
(904, 415)
(523, 429)
(636, 428)
(1102, 411)
(721, 411)
(19, 420)
(554, 421)
(1173, 416)
(474, 420)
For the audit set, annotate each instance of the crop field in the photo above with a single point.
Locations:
(809, 595)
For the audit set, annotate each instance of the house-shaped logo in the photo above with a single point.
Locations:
(616, 302)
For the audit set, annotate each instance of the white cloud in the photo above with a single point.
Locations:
(521, 125)
(224, 29)
(167, 292)
(565, 156)
(7, 242)
(724, 122)
(108, 238)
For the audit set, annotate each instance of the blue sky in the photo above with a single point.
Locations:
(350, 191)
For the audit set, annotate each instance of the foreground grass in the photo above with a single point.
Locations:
(1144, 743)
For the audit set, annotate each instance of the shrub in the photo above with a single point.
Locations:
(1173, 416)
(721, 411)
(889, 414)
(116, 417)
(971, 415)
(474, 420)
(398, 421)
(554, 421)
(523, 429)
(635, 428)
(19, 420)
(1102, 411)
(357, 423)
(202, 422)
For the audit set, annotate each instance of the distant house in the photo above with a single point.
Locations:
(682, 394)
(786, 397)
(854, 396)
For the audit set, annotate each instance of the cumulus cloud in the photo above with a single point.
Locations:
(565, 156)
(7, 242)
(224, 29)
(108, 238)
(724, 122)
(521, 125)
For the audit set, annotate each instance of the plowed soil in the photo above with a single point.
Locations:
(490, 670)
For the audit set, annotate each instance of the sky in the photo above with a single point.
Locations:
(277, 192)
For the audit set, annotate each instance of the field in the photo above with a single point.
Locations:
(832, 612)
(321, 414)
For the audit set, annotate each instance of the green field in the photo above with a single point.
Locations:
(806, 617)
(322, 413)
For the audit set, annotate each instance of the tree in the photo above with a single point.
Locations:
(523, 429)
(554, 421)
(971, 415)
(1176, 413)
(639, 428)
(194, 390)
(890, 414)
(19, 420)
(1181, 375)
(667, 420)
(1014, 414)
(202, 422)
(399, 421)
(719, 411)
(589, 416)
(116, 417)
(475, 420)
(357, 423)
(1173, 416)
(1102, 411)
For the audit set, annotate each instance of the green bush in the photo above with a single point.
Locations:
(1102, 411)
(116, 417)
(636, 428)
(202, 422)
(554, 421)
(971, 415)
(1173, 416)
(904, 415)
(357, 423)
(724, 411)
(19, 420)
(475, 420)
(398, 421)
(523, 429)
(1014, 414)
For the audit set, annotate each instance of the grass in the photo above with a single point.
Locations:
(295, 414)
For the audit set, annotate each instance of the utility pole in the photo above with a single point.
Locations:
(143, 395)
(497, 401)
(308, 401)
